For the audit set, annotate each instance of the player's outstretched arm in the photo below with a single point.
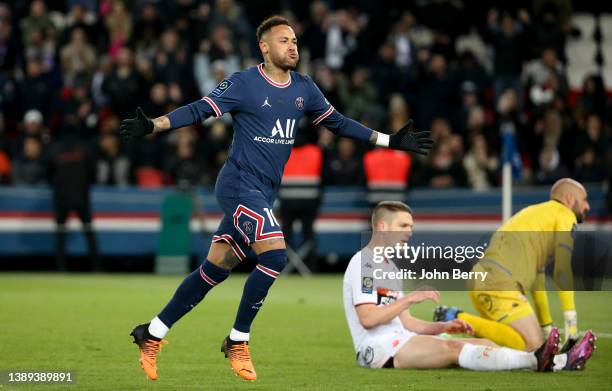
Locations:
(141, 125)
(405, 139)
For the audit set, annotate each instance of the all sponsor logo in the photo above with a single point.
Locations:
(280, 134)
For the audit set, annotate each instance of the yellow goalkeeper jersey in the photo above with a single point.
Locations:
(527, 242)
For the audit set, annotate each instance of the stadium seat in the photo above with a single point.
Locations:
(585, 23)
(577, 73)
(581, 52)
(605, 25)
(5, 165)
(149, 177)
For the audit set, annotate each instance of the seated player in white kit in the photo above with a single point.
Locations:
(386, 335)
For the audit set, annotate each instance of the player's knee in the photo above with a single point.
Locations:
(533, 344)
(273, 259)
(452, 348)
(221, 254)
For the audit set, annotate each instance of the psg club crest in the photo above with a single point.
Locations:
(248, 227)
(299, 103)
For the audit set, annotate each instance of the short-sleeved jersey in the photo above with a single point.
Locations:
(358, 287)
(524, 244)
(265, 116)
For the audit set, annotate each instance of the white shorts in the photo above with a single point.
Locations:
(376, 350)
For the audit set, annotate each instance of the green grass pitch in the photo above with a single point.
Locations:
(299, 340)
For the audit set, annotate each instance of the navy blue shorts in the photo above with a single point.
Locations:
(247, 215)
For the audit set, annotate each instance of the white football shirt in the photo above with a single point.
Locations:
(359, 287)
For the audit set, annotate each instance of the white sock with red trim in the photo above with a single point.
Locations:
(486, 358)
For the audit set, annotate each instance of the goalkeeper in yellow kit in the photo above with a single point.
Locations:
(516, 260)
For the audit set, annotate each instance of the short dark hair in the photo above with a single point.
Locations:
(268, 23)
(388, 206)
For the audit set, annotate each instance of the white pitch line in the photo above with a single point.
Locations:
(601, 335)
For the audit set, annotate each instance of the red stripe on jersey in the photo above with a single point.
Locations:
(213, 105)
(324, 115)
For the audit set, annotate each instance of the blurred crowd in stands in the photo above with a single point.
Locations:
(464, 70)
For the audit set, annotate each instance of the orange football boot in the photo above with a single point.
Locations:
(240, 358)
(149, 347)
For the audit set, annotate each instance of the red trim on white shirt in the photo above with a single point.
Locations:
(365, 302)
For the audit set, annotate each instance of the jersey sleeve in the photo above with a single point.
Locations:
(362, 286)
(322, 112)
(226, 96)
(318, 107)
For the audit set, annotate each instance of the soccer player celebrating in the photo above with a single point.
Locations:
(386, 335)
(265, 102)
(516, 260)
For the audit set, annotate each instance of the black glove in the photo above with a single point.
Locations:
(136, 127)
(408, 140)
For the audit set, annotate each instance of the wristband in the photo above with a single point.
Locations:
(382, 140)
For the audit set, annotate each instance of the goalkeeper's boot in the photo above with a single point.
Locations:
(568, 345)
(149, 347)
(578, 355)
(240, 358)
(546, 353)
(444, 313)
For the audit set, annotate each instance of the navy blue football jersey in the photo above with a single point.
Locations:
(265, 115)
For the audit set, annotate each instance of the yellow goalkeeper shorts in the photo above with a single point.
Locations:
(501, 306)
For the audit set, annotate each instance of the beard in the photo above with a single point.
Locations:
(284, 62)
(580, 215)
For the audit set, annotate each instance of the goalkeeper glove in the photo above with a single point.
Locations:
(571, 324)
(407, 139)
(138, 127)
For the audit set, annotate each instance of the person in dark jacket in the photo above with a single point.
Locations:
(71, 172)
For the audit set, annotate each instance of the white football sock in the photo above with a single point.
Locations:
(559, 362)
(485, 358)
(157, 328)
(236, 335)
